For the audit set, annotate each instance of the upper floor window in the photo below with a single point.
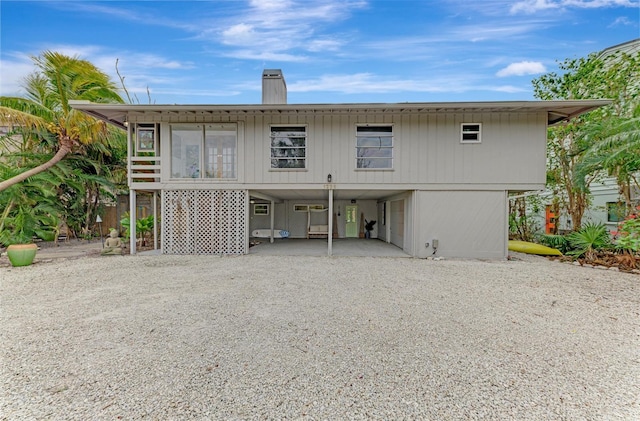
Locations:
(145, 138)
(288, 147)
(470, 133)
(374, 147)
(204, 151)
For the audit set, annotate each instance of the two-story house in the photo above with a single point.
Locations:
(434, 176)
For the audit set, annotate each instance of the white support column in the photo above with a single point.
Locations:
(155, 220)
(272, 215)
(132, 221)
(387, 221)
(330, 227)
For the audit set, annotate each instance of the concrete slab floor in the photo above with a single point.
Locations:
(353, 247)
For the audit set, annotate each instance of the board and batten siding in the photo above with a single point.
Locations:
(427, 150)
(465, 223)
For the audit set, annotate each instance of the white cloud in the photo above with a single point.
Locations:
(621, 21)
(270, 5)
(522, 68)
(266, 56)
(12, 73)
(529, 6)
(269, 28)
(533, 6)
(368, 83)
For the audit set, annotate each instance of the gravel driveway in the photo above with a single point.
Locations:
(276, 337)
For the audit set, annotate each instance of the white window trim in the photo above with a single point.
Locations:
(264, 209)
(478, 132)
(306, 142)
(202, 159)
(392, 147)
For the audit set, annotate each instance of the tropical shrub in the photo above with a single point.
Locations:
(555, 241)
(590, 239)
(28, 209)
(144, 226)
(629, 234)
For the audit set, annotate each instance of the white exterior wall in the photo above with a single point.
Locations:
(427, 150)
(465, 223)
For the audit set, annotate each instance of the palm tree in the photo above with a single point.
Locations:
(45, 109)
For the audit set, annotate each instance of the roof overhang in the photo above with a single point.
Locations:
(119, 114)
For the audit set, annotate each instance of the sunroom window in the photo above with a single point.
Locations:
(374, 147)
(204, 151)
(288, 147)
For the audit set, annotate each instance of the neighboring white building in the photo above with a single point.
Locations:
(607, 203)
(428, 173)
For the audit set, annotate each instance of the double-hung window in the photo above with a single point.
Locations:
(374, 147)
(204, 151)
(288, 147)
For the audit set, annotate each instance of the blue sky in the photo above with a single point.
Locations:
(330, 51)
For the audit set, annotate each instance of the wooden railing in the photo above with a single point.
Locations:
(144, 169)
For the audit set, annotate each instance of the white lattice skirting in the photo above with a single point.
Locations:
(204, 221)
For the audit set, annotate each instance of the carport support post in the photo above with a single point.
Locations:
(272, 220)
(155, 220)
(132, 221)
(330, 227)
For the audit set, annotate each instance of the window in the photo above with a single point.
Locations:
(204, 151)
(288, 147)
(470, 133)
(261, 209)
(615, 211)
(374, 147)
(308, 208)
(146, 135)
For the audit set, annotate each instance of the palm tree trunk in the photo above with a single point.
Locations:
(66, 146)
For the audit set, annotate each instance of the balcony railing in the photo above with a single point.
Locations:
(144, 169)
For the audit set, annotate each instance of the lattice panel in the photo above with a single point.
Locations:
(204, 222)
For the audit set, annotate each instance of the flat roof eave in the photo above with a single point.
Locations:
(558, 111)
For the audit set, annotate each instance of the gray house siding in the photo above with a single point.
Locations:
(465, 223)
(430, 163)
(427, 150)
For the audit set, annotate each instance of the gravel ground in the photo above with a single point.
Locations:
(272, 337)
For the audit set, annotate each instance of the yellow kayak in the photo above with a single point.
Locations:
(533, 248)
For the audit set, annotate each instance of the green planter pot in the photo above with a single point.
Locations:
(21, 254)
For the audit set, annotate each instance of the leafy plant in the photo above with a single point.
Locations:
(629, 234)
(521, 225)
(559, 242)
(591, 238)
(28, 209)
(143, 227)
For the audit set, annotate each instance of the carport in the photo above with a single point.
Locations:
(279, 212)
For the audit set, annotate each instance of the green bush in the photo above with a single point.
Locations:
(591, 238)
(559, 242)
(629, 232)
(143, 226)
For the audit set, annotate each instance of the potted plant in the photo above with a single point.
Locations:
(27, 211)
(19, 228)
